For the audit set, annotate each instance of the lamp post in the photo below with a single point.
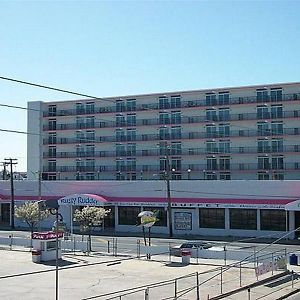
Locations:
(167, 177)
(189, 173)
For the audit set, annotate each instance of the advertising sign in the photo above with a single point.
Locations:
(183, 220)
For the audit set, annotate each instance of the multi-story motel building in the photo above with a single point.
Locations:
(250, 132)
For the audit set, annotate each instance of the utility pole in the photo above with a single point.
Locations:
(11, 162)
(4, 164)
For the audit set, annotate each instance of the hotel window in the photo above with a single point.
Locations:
(120, 176)
(52, 152)
(211, 131)
(131, 134)
(120, 135)
(263, 146)
(243, 219)
(131, 104)
(225, 176)
(52, 166)
(224, 146)
(176, 117)
(224, 163)
(131, 164)
(161, 215)
(273, 220)
(212, 218)
(278, 176)
(211, 115)
(52, 138)
(262, 112)
(263, 128)
(90, 176)
(175, 102)
(164, 133)
(176, 132)
(162, 164)
(276, 111)
(90, 122)
(127, 215)
(277, 145)
(90, 107)
(120, 150)
(164, 103)
(277, 163)
(80, 122)
(176, 164)
(210, 176)
(262, 95)
(263, 163)
(120, 165)
(90, 150)
(276, 94)
(120, 120)
(120, 106)
(52, 124)
(80, 150)
(52, 110)
(164, 118)
(224, 114)
(211, 99)
(211, 163)
(90, 136)
(175, 148)
(131, 149)
(90, 165)
(176, 176)
(224, 130)
(277, 128)
(211, 147)
(223, 98)
(80, 137)
(51, 177)
(263, 176)
(79, 108)
(131, 120)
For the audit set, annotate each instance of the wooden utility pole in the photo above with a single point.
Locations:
(11, 162)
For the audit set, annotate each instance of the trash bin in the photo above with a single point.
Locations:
(294, 260)
(186, 256)
(36, 255)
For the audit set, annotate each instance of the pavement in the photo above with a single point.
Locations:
(101, 276)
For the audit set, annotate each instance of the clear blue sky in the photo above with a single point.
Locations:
(107, 48)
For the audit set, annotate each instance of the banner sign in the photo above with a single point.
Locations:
(183, 220)
(49, 235)
(80, 200)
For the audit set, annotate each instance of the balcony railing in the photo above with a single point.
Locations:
(184, 104)
(184, 120)
(291, 166)
(168, 137)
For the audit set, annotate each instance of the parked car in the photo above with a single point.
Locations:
(190, 245)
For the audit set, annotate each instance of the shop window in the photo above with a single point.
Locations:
(212, 218)
(128, 215)
(243, 219)
(273, 220)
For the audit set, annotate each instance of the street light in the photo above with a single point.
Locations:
(189, 173)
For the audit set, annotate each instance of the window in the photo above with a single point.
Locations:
(120, 150)
(223, 98)
(224, 114)
(176, 176)
(52, 165)
(210, 176)
(90, 136)
(131, 104)
(263, 163)
(263, 176)
(176, 132)
(211, 147)
(176, 164)
(224, 130)
(211, 163)
(211, 131)
(263, 146)
(276, 111)
(164, 118)
(120, 165)
(90, 122)
(131, 120)
(90, 150)
(120, 120)
(120, 106)
(225, 176)
(175, 102)
(164, 133)
(162, 164)
(262, 95)
(262, 112)
(131, 149)
(79, 108)
(51, 177)
(278, 176)
(277, 145)
(131, 164)
(224, 163)
(164, 103)
(120, 135)
(176, 117)
(277, 163)
(273, 220)
(211, 99)
(80, 122)
(128, 215)
(263, 128)
(131, 134)
(175, 148)
(243, 219)
(80, 150)
(277, 128)
(161, 215)
(52, 124)
(90, 176)
(52, 152)
(212, 218)
(224, 146)
(120, 176)
(211, 115)
(52, 110)
(90, 165)
(276, 94)
(90, 107)
(52, 138)
(80, 137)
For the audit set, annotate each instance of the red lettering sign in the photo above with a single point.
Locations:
(49, 235)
